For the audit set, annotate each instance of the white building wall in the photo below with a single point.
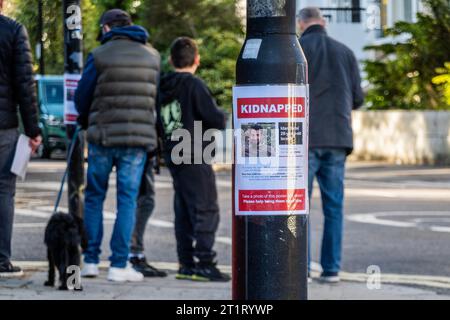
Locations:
(354, 35)
(358, 35)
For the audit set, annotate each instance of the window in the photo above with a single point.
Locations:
(408, 9)
(356, 13)
(54, 93)
(343, 11)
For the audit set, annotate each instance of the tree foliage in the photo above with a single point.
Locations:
(26, 12)
(443, 80)
(213, 23)
(402, 75)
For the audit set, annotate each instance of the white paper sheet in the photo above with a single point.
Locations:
(21, 157)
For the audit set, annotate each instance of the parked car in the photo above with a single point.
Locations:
(51, 114)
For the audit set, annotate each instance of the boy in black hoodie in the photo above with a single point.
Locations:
(185, 101)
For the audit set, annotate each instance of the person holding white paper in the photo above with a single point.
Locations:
(17, 88)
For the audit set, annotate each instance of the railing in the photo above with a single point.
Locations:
(343, 15)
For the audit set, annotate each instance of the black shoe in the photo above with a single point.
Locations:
(185, 272)
(7, 270)
(141, 265)
(209, 272)
(329, 277)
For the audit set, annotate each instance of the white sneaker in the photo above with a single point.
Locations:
(330, 277)
(90, 270)
(127, 274)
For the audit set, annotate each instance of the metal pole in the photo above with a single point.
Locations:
(73, 64)
(270, 252)
(40, 40)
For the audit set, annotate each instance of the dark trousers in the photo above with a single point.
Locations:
(196, 212)
(328, 166)
(145, 206)
(8, 141)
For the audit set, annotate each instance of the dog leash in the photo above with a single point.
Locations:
(66, 172)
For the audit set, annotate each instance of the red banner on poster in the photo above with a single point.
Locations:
(272, 200)
(293, 107)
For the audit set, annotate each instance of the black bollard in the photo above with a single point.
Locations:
(269, 238)
(73, 64)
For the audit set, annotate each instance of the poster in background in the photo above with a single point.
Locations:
(271, 149)
(70, 86)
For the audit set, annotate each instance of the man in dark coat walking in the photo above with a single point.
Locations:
(335, 90)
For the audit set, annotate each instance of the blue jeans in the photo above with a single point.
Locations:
(129, 163)
(328, 165)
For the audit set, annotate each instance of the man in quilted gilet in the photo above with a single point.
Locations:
(116, 102)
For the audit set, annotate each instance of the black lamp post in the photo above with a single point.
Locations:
(73, 65)
(270, 252)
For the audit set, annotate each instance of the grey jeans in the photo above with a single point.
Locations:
(145, 206)
(8, 141)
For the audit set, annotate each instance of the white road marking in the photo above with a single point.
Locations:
(224, 240)
(160, 223)
(224, 183)
(410, 193)
(46, 211)
(440, 229)
(107, 215)
(428, 281)
(55, 186)
(35, 194)
(36, 165)
(47, 170)
(407, 184)
(32, 213)
(400, 173)
(381, 218)
(30, 225)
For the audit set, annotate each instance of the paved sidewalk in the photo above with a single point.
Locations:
(31, 287)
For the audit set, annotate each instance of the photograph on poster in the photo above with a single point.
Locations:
(258, 139)
(71, 94)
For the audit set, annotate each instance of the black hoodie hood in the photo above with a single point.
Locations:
(171, 84)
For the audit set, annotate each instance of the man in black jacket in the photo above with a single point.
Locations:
(17, 88)
(186, 106)
(335, 91)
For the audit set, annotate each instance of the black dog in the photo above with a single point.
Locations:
(63, 236)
